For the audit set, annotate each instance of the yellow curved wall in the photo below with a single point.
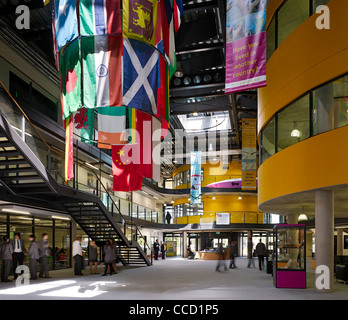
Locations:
(241, 211)
(213, 173)
(306, 59)
(317, 162)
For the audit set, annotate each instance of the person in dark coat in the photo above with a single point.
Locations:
(33, 253)
(261, 252)
(163, 250)
(156, 247)
(6, 256)
(233, 251)
(168, 217)
(109, 257)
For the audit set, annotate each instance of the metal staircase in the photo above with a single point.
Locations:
(22, 174)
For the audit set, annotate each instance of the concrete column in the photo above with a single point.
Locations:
(340, 242)
(324, 240)
(184, 244)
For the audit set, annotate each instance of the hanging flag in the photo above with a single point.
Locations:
(178, 11)
(102, 71)
(168, 30)
(66, 25)
(125, 176)
(69, 149)
(162, 96)
(98, 17)
(111, 126)
(159, 33)
(71, 79)
(140, 20)
(54, 40)
(84, 125)
(195, 177)
(140, 63)
(149, 131)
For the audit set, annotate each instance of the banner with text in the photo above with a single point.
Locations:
(246, 45)
(249, 150)
(195, 193)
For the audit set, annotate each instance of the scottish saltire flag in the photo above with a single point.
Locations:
(140, 20)
(98, 17)
(140, 72)
(102, 70)
(71, 79)
(111, 126)
(66, 25)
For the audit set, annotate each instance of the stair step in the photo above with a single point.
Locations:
(18, 178)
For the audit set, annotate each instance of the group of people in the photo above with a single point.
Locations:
(260, 252)
(14, 250)
(157, 247)
(110, 258)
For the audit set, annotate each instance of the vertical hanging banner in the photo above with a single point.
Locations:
(245, 45)
(195, 179)
(249, 154)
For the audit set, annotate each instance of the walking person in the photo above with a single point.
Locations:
(93, 257)
(34, 256)
(109, 257)
(250, 254)
(18, 252)
(6, 256)
(233, 251)
(77, 255)
(44, 254)
(156, 247)
(261, 252)
(163, 250)
(221, 261)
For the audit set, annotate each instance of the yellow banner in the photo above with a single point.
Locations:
(249, 151)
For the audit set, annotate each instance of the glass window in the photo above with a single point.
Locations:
(290, 16)
(293, 123)
(62, 244)
(141, 212)
(154, 216)
(271, 39)
(268, 141)
(330, 106)
(135, 211)
(148, 214)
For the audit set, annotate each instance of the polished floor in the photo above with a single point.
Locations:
(170, 279)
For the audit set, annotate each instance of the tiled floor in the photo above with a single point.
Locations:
(170, 279)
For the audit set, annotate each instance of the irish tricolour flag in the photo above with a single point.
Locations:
(111, 126)
(102, 71)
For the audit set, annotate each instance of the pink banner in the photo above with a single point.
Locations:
(246, 47)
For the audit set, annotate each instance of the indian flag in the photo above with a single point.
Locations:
(98, 17)
(102, 71)
(111, 126)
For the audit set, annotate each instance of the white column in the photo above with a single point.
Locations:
(324, 240)
(292, 219)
